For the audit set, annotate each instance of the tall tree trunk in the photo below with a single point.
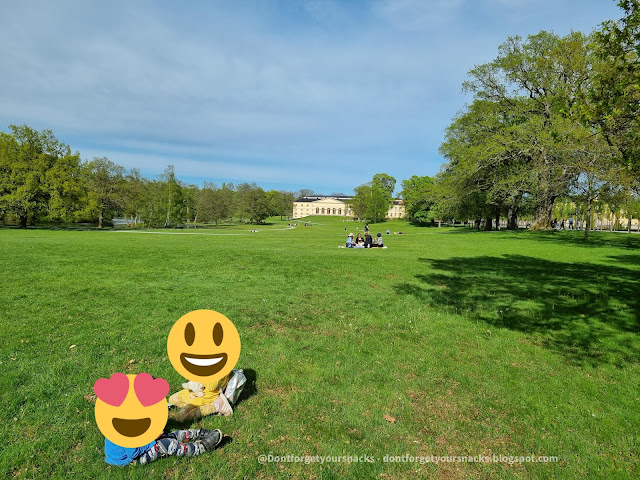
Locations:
(629, 224)
(512, 212)
(23, 221)
(477, 223)
(101, 217)
(544, 213)
(497, 218)
(588, 225)
(488, 224)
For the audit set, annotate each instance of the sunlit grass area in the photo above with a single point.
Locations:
(450, 342)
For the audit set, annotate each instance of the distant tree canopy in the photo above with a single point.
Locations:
(372, 200)
(40, 179)
(39, 176)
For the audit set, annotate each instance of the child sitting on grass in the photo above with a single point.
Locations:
(187, 405)
(179, 442)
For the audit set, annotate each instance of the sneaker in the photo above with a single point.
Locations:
(199, 434)
(212, 440)
(222, 405)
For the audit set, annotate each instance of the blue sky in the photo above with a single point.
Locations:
(318, 94)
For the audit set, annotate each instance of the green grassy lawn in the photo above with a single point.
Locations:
(505, 343)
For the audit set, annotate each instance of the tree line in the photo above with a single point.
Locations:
(41, 179)
(553, 119)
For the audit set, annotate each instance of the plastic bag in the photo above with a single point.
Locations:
(235, 386)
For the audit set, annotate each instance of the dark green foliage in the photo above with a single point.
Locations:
(419, 197)
(372, 200)
(39, 176)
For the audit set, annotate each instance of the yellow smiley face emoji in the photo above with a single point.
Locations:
(203, 346)
(131, 410)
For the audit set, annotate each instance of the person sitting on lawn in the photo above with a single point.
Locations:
(182, 443)
(368, 242)
(350, 243)
(360, 240)
(379, 242)
(193, 403)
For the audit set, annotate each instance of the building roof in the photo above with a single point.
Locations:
(315, 198)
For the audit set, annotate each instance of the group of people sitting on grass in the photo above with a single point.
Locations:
(366, 242)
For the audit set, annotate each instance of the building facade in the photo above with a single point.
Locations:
(335, 207)
(396, 210)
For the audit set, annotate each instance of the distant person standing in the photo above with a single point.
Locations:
(570, 222)
(366, 229)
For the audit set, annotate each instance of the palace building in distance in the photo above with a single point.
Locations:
(335, 206)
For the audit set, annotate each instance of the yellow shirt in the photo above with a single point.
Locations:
(211, 392)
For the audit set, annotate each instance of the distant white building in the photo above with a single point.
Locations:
(396, 210)
(335, 206)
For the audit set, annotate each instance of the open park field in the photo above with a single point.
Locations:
(450, 342)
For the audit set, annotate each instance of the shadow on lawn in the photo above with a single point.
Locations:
(628, 241)
(588, 313)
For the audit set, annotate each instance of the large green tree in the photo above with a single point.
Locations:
(104, 186)
(489, 162)
(132, 196)
(531, 95)
(280, 203)
(419, 197)
(39, 176)
(257, 205)
(615, 91)
(372, 200)
(172, 198)
(213, 203)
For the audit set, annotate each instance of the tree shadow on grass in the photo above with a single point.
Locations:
(587, 313)
(55, 227)
(630, 260)
(599, 239)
